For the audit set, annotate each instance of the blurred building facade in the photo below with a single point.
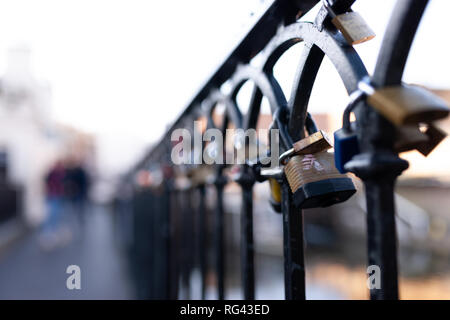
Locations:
(29, 137)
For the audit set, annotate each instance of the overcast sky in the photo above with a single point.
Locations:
(123, 69)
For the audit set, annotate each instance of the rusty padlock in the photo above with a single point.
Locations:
(405, 104)
(352, 25)
(312, 176)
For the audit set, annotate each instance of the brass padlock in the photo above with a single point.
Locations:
(435, 136)
(275, 195)
(406, 104)
(316, 142)
(312, 177)
(409, 138)
(352, 25)
(201, 175)
(424, 141)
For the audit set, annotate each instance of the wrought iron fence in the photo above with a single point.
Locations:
(164, 246)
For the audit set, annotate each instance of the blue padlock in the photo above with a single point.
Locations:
(346, 144)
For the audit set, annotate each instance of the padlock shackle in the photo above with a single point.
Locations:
(310, 124)
(328, 5)
(365, 89)
(355, 98)
(286, 139)
(366, 86)
(340, 7)
(311, 128)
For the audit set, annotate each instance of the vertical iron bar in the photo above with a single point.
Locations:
(294, 265)
(168, 240)
(220, 239)
(379, 165)
(247, 244)
(382, 241)
(186, 269)
(191, 234)
(201, 230)
(153, 249)
(175, 247)
(220, 184)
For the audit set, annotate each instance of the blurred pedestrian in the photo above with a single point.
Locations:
(54, 189)
(76, 189)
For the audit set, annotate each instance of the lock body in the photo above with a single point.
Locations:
(323, 194)
(409, 108)
(435, 136)
(403, 105)
(353, 27)
(316, 142)
(315, 182)
(409, 138)
(346, 146)
(275, 195)
(201, 175)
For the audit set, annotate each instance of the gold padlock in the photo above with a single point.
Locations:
(435, 136)
(201, 175)
(352, 25)
(316, 142)
(406, 104)
(313, 177)
(275, 195)
(409, 138)
(303, 169)
(424, 141)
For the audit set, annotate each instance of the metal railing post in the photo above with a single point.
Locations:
(246, 182)
(220, 238)
(294, 266)
(201, 238)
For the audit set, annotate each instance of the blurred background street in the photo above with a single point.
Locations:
(27, 272)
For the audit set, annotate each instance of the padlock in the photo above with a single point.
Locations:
(405, 104)
(435, 136)
(410, 138)
(201, 175)
(275, 195)
(316, 142)
(313, 178)
(352, 25)
(346, 144)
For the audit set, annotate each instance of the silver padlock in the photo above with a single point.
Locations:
(352, 25)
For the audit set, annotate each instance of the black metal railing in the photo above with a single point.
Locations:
(171, 231)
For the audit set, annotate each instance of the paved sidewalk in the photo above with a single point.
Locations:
(27, 272)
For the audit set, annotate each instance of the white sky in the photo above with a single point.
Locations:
(124, 69)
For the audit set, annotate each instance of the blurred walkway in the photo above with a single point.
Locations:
(26, 272)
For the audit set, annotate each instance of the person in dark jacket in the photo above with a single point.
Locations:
(76, 189)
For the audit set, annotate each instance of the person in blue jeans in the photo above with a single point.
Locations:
(54, 189)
